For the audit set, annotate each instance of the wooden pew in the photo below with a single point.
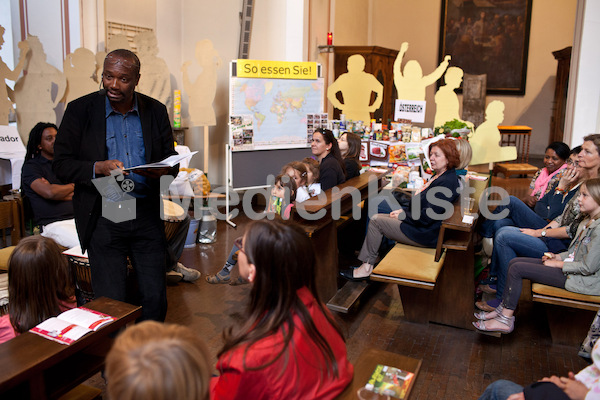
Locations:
(569, 314)
(443, 291)
(38, 368)
(323, 232)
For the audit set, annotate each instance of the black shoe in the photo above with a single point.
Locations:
(349, 274)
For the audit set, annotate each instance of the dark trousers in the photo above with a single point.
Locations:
(529, 268)
(143, 240)
(176, 244)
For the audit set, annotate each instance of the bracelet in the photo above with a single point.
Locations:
(559, 190)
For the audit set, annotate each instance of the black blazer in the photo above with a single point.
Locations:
(81, 141)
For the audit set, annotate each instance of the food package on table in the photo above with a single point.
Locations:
(199, 182)
(400, 175)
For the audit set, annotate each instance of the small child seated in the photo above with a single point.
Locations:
(39, 286)
(312, 178)
(277, 204)
(152, 360)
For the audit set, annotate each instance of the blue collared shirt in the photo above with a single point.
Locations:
(125, 142)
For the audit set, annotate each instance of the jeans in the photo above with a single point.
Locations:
(520, 215)
(500, 390)
(509, 243)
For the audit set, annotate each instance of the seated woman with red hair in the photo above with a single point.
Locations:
(419, 222)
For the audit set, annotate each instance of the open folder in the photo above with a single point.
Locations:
(166, 163)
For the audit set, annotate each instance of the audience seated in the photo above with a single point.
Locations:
(155, 361)
(279, 205)
(410, 225)
(289, 345)
(548, 208)
(555, 236)
(576, 270)
(39, 286)
(349, 144)
(584, 385)
(49, 197)
(325, 148)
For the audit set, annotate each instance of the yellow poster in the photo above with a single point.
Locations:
(276, 69)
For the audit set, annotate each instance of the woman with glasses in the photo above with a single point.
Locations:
(554, 236)
(287, 345)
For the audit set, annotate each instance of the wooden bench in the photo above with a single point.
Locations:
(433, 286)
(323, 234)
(368, 360)
(569, 314)
(38, 368)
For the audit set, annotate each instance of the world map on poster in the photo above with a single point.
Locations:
(278, 108)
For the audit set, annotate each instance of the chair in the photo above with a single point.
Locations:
(10, 218)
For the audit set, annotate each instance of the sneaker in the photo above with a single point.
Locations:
(189, 274)
(223, 277)
(173, 277)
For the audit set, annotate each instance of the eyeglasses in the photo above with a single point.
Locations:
(573, 163)
(239, 244)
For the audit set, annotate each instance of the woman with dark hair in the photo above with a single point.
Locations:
(555, 158)
(289, 345)
(39, 286)
(349, 144)
(411, 225)
(324, 146)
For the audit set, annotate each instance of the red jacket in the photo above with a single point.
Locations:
(298, 374)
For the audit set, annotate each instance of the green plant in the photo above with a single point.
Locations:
(449, 126)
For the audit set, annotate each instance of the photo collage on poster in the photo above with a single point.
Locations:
(242, 133)
(314, 121)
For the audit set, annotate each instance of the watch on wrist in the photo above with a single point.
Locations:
(544, 232)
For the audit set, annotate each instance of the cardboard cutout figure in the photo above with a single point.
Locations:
(201, 93)
(485, 142)
(6, 105)
(80, 68)
(356, 86)
(446, 101)
(33, 91)
(411, 84)
(155, 80)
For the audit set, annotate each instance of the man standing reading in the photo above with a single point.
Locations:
(109, 130)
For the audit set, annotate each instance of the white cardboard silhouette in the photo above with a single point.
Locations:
(155, 79)
(356, 86)
(6, 104)
(201, 93)
(80, 68)
(485, 142)
(33, 91)
(411, 83)
(446, 101)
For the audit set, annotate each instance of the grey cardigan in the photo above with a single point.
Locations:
(583, 273)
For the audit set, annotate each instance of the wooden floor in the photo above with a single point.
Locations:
(457, 363)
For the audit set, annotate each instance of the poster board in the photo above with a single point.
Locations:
(269, 102)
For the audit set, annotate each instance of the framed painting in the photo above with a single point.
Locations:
(488, 37)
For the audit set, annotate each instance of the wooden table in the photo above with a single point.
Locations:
(366, 364)
(38, 368)
(323, 232)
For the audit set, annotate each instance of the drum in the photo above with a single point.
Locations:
(173, 215)
(82, 275)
